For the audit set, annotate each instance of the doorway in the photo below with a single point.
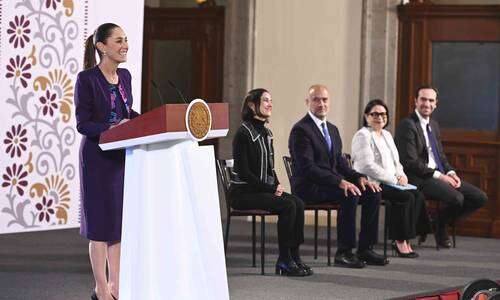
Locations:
(183, 47)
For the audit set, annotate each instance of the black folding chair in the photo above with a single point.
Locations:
(328, 207)
(224, 168)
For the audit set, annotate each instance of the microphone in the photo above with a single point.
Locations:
(158, 91)
(177, 90)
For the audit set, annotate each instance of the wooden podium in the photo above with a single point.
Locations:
(172, 245)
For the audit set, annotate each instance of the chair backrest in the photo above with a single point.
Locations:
(287, 160)
(348, 157)
(223, 172)
(224, 169)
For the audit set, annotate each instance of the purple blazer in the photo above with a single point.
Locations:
(92, 100)
(101, 172)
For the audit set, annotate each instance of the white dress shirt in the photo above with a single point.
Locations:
(432, 160)
(318, 122)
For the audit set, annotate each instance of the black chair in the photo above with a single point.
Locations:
(328, 207)
(224, 168)
(387, 205)
(433, 208)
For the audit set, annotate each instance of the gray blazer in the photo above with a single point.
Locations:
(368, 159)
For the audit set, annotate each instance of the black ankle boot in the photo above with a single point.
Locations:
(305, 267)
(289, 269)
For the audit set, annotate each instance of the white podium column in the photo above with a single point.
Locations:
(172, 245)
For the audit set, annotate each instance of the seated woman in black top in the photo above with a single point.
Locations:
(255, 185)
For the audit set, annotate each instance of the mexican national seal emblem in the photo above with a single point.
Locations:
(198, 119)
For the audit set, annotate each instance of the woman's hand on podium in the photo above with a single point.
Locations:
(121, 122)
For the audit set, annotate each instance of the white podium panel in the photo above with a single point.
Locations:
(172, 245)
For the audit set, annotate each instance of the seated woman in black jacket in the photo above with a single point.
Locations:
(255, 185)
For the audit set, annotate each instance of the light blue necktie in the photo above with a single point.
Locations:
(327, 136)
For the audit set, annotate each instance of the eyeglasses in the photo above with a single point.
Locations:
(377, 114)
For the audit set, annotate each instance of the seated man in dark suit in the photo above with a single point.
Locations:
(322, 174)
(418, 141)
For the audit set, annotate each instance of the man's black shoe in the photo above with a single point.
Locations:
(445, 243)
(370, 257)
(444, 238)
(348, 260)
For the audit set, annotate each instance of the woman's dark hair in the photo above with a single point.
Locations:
(369, 107)
(247, 113)
(100, 35)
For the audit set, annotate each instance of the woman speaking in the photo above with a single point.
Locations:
(103, 99)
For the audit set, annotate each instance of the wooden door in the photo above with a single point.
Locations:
(184, 46)
(457, 49)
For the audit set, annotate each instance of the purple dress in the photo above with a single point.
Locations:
(99, 105)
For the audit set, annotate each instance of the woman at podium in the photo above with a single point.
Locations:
(256, 186)
(103, 99)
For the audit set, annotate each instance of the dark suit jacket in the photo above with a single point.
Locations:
(413, 153)
(312, 164)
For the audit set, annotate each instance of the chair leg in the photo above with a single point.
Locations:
(262, 242)
(226, 240)
(454, 231)
(385, 228)
(254, 242)
(315, 234)
(329, 236)
(436, 231)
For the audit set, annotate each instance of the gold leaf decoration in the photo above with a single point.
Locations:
(29, 164)
(70, 7)
(62, 214)
(61, 83)
(65, 111)
(37, 190)
(32, 56)
(41, 81)
(58, 77)
(56, 184)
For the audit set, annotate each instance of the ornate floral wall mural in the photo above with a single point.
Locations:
(41, 48)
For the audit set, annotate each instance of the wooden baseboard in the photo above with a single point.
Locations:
(475, 227)
(495, 228)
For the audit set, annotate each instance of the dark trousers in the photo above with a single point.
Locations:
(455, 203)
(406, 213)
(289, 208)
(346, 217)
